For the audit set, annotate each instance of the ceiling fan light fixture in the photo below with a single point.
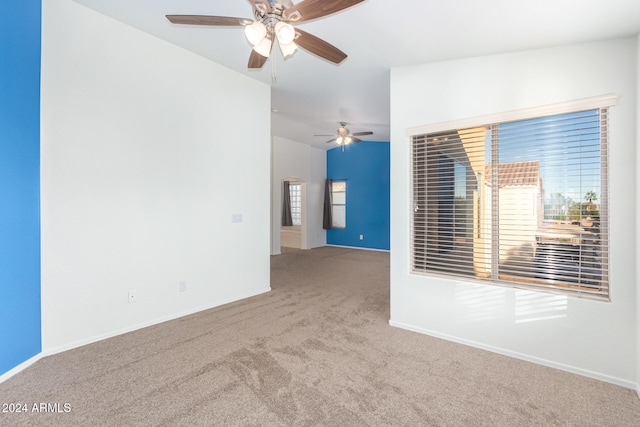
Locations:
(264, 47)
(255, 33)
(347, 139)
(288, 49)
(339, 140)
(285, 32)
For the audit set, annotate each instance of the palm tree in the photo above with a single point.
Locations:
(590, 197)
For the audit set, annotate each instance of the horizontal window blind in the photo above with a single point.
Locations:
(295, 194)
(339, 203)
(521, 202)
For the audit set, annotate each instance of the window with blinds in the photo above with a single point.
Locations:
(522, 203)
(339, 204)
(295, 195)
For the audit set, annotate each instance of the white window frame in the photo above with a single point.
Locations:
(339, 209)
(601, 102)
(295, 195)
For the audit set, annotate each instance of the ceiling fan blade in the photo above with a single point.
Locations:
(331, 140)
(319, 47)
(353, 139)
(261, 5)
(222, 21)
(362, 133)
(312, 9)
(256, 60)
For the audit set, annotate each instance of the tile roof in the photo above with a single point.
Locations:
(516, 173)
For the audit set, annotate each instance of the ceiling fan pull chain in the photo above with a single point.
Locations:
(274, 77)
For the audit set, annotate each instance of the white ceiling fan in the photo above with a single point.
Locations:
(344, 136)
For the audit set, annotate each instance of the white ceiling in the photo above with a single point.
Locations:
(312, 95)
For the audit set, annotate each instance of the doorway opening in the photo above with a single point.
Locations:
(293, 236)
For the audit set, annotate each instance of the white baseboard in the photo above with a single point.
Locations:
(574, 370)
(91, 340)
(80, 343)
(358, 247)
(21, 367)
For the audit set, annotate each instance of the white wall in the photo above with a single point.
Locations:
(638, 219)
(147, 152)
(295, 160)
(589, 337)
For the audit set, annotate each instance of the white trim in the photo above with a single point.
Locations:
(91, 340)
(525, 113)
(567, 368)
(358, 247)
(21, 367)
(80, 343)
(303, 210)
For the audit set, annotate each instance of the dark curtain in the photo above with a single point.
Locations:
(287, 221)
(327, 218)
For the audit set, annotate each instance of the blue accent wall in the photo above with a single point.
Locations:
(20, 319)
(365, 167)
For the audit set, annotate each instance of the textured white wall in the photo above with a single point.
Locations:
(590, 337)
(147, 152)
(295, 160)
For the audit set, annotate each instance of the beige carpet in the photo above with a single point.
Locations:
(317, 350)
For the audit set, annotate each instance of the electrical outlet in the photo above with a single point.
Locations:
(182, 286)
(133, 296)
(362, 237)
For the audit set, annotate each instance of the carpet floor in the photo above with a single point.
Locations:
(316, 351)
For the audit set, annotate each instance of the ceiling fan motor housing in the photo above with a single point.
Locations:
(272, 14)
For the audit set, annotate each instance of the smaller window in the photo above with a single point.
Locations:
(296, 203)
(339, 195)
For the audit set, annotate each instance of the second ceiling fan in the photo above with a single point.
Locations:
(344, 136)
(273, 21)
